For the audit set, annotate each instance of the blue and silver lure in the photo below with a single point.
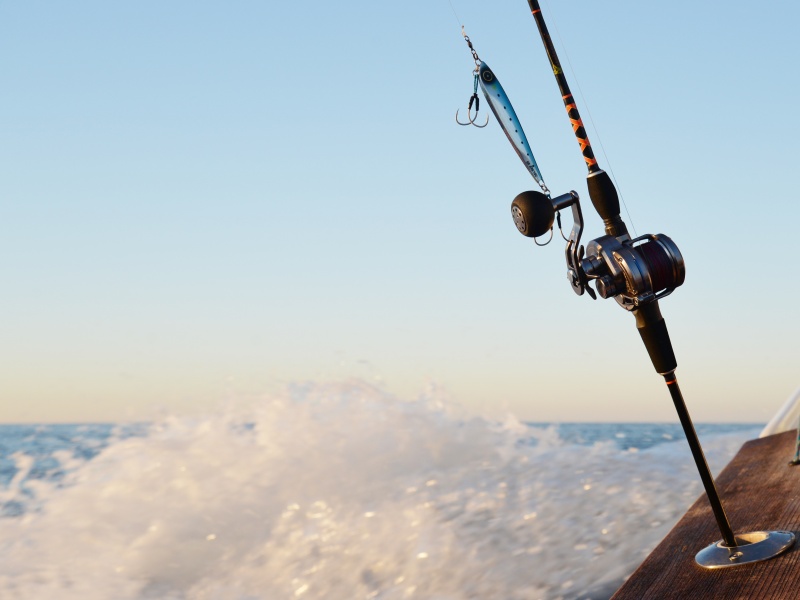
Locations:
(504, 113)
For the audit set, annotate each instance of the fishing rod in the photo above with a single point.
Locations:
(637, 273)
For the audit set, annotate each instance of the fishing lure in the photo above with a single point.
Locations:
(504, 113)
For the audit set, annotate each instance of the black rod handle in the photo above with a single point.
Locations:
(700, 460)
(653, 329)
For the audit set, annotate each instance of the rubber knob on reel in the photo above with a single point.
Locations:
(533, 213)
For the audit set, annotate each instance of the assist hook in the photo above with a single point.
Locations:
(473, 99)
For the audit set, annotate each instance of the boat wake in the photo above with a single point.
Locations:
(340, 492)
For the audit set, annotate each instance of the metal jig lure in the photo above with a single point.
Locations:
(507, 119)
(509, 122)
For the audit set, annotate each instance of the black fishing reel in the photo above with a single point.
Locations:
(635, 272)
(632, 271)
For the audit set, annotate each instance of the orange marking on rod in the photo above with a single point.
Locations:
(533, 12)
(576, 125)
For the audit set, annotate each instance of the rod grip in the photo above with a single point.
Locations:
(606, 202)
(653, 329)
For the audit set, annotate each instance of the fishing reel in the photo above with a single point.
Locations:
(632, 271)
(635, 272)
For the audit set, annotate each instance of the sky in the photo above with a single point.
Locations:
(202, 201)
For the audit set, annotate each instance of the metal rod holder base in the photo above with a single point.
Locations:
(750, 548)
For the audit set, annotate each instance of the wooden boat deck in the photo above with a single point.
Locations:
(759, 491)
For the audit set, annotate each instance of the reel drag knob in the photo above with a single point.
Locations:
(533, 213)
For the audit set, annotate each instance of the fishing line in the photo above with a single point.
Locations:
(591, 120)
(455, 14)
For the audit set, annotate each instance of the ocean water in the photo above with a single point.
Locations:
(340, 492)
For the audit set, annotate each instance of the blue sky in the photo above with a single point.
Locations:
(207, 200)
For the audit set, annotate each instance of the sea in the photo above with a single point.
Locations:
(341, 492)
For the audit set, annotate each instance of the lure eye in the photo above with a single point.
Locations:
(487, 76)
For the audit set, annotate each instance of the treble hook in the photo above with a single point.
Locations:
(473, 100)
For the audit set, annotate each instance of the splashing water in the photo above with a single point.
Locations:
(340, 492)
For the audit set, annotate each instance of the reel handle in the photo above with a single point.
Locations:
(535, 212)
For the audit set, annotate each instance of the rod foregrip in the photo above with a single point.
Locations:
(655, 336)
(606, 202)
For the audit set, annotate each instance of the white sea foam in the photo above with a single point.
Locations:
(340, 492)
